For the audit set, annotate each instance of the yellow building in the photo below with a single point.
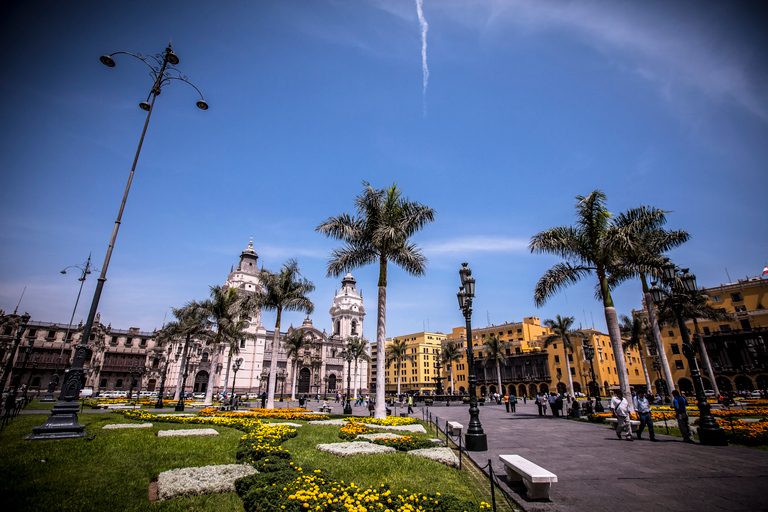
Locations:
(530, 368)
(736, 348)
(418, 373)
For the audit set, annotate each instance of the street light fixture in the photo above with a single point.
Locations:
(84, 271)
(589, 354)
(475, 438)
(347, 356)
(62, 423)
(235, 367)
(679, 282)
(185, 362)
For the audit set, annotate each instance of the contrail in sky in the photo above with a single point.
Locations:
(424, 68)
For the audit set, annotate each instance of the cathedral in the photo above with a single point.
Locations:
(319, 368)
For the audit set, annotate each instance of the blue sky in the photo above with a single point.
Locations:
(526, 105)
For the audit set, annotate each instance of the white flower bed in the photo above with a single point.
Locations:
(204, 480)
(354, 448)
(338, 423)
(184, 432)
(441, 455)
(415, 428)
(126, 425)
(383, 435)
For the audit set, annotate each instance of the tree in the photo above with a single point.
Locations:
(286, 291)
(295, 341)
(359, 349)
(596, 245)
(397, 351)
(561, 330)
(379, 234)
(451, 354)
(494, 348)
(695, 305)
(235, 333)
(223, 309)
(632, 332)
(190, 324)
(642, 258)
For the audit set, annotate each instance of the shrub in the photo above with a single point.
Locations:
(405, 443)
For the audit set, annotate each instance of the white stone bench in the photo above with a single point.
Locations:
(634, 424)
(454, 428)
(536, 479)
(325, 410)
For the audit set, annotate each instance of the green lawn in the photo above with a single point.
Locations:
(114, 470)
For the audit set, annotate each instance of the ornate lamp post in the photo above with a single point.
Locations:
(281, 378)
(347, 355)
(136, 371)
(22, 325)
(84, 271)
(185, 359)
(589, 354)
(167, 358)
(235, 367)
(475, 438)
(62, 423)
(679, 282)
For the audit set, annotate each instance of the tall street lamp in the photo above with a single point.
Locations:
(62, 423)
(475, 438)
(680, 282)
(589, 354)
(235, 369)
(167, 358)
(347, 355)
(185, 363)
(84, 271)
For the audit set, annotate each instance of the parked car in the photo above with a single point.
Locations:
(756, 393)
(709, 392)
(198, 395)
(253, 396)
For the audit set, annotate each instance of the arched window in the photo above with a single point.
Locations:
(205, 356)
(337, 330)
(354, 327)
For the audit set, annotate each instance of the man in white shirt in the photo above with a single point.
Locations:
(643, 410)
(620, 408)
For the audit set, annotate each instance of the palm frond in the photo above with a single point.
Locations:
(555, 279)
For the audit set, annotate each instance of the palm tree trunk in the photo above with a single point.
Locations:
(614, 332)
(273, 363)
(568, 370)
(177, 394)
(657, 335)
(226, 375)
(355, 377)
(705, 357)
(212, 374)
(498, 375)
(381, 327)
(399, 370)
(294, 369)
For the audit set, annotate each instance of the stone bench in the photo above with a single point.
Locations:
(634, 424)
(326, 410)
(454, 428)
(536, 479)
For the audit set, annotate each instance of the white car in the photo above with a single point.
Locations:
(756, 394)
(709, 392)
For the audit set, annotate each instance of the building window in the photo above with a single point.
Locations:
(675, 348)
(573, 371)
(51, 334)
(671, 333)
(736, 297)
(242, 343)
(706, 330)
(740, 309)
(205, 357)
(678, 364)
(557, 359)
(716, 298)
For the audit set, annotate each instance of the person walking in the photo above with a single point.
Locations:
(263, 400)
(552, 404)
(410, 404)
(621, 411)
(643, 410)
(512, 401)
(525, 399)
(506, 401)
(678, 402)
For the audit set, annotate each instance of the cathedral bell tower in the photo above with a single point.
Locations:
(347, 312)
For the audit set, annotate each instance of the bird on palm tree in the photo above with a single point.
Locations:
(451, 354)
(284, 291)
(643, 258)
(695, 306)
(295, 341)
(224, 310)
(494, 349)
(594, 245)
(359, 349)
(397, 352)
(380, 233)
(561, 330)
(632, 332)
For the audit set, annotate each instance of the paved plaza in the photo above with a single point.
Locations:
(598, 472)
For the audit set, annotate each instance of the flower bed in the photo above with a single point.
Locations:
(278, 414)
(354, 448)
(404, 443)
(203, 480)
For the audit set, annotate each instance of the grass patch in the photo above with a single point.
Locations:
(112, 472)
(37, 405)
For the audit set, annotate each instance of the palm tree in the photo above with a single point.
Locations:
(632, 331)
(561, 330)
(190, 324)
(235, 333)
(223, 309)
(596, 245)
(286, 291)
(494, 348)
(451, 354)
(397, 351)
(695, 305)
(295, 341)
(359, 349)
(381, 233)
(642, 258)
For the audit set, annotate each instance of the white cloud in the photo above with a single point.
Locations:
(476, 244)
